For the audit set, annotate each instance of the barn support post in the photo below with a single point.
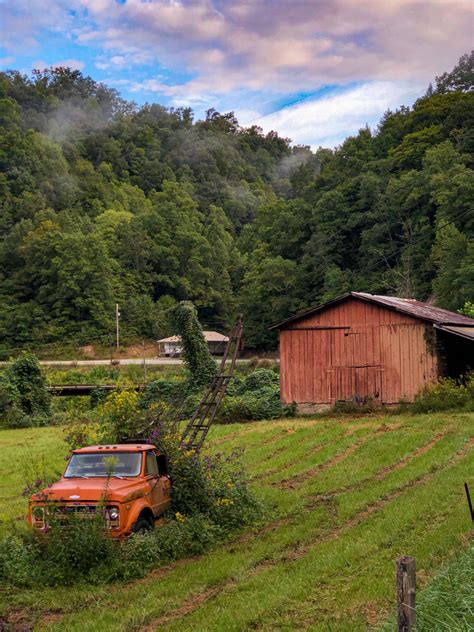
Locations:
(406, 589)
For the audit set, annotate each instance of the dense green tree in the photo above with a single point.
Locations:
(453, 255)
(268, 294)
(461, 78)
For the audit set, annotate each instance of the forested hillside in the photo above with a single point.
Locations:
(102, 202)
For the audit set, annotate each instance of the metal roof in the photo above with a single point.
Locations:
(409, 306)
(209, 336)
(464, 332)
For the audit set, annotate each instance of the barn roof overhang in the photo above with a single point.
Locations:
(463, 332)
(411, 307)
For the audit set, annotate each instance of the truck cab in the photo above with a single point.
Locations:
(128, 483)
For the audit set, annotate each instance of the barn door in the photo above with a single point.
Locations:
(355, 373)
(355, 383)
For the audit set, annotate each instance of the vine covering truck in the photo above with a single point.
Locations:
(128, 483)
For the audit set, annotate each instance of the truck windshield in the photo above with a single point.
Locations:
(104, 464)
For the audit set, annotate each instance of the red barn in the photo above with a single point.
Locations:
(363, 346)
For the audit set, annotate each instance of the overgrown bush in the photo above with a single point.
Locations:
(446, 394)
(254, 397)
(25, 374)
(11, 414)
(24, 396)
(257, 380)
(120, 415)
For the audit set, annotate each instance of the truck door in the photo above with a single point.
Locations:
(160, 485)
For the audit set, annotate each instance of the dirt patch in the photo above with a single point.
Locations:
(52, 616)
(88, 351)
(271, 526)
(188, 606)
(17, 621)
(150, 350)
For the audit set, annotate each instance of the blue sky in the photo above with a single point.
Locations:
(313, 70)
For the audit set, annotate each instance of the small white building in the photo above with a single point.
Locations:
(171, 346)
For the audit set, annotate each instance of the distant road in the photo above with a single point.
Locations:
(120, 362)
(115, 362)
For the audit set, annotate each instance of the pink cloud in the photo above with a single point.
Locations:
(287, 46)
(271, 45)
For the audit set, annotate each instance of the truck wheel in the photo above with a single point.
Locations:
(142, 525)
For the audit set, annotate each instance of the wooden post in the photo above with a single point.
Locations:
(144, 361)
(111, 349)
(469, 501)
(406, 588)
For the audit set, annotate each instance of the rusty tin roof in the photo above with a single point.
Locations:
(409, 306)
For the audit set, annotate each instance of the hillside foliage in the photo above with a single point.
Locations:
(102, 202)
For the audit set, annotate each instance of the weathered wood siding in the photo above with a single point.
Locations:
(355, 349)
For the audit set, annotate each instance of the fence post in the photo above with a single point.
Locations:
(406, 588)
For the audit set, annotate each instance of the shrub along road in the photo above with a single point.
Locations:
(349, 497)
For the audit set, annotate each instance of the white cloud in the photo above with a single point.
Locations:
(286, 46)
(115, 62)
(23, 20)
(75, 64)
(327, 121)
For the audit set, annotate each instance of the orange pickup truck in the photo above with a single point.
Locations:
(129, 483)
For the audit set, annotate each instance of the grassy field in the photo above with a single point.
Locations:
(348, 497)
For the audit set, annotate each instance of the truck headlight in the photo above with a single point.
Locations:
(113, 513)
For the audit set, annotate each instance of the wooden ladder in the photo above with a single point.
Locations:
(205, 413)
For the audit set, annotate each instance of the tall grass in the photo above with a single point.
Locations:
(447, 603)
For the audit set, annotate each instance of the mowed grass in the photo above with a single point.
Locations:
(348, 496)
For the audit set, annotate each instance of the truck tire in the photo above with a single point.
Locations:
(142, 525)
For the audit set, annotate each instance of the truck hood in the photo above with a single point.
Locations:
(77, 490)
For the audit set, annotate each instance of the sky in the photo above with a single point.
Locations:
(315, 71)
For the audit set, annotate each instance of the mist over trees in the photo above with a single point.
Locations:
(104, 202)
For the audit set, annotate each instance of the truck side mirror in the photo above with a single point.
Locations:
(162, 465)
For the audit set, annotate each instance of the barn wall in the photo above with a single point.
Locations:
(362, 350)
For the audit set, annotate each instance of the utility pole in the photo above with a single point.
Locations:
(117, 326)
(144, 362)
(111, 344)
